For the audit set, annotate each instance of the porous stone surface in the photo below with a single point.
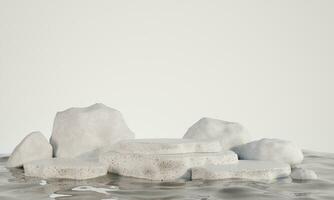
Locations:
(162, 167)
(244, 169)
(270, 149)
(33, 147)
(166, 146)
(303, 174)
(229, 134)
(66, 168)
(80, 130)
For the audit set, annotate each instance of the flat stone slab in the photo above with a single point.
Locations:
(162, 167)
(166, 146)
(244, 169)
(64, 168)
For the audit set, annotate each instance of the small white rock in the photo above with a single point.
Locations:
(166, 146)
(229, 134)
(303, 174)
(80, 130)
(33, 147)
(162, 166)
(270, 149)
(64, 168)
(244, 169)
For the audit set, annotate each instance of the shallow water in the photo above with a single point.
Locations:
(14, 185)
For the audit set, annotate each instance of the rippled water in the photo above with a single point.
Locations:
(13, 185)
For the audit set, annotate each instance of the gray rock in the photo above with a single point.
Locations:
(244, 169)
(80, 130)
(67, 168)
(303, 174)
(270, 149)
(166, 146)
(229, 134)
(33, 147)
(162, 167)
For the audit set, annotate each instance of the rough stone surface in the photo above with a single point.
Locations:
(244, 169)
(67, 168)
(303, 174)
(33, 147)
(162, 166)
(229, 134)
(80, 130)
(166, 146)
(270, 149)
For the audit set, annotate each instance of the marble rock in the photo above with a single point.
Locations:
(270, 149)
(80, 130)
(229, 134)
(33, 147)
(162, 167)
(244, 169)
(166, 146)
(303, 174)
(65, 168)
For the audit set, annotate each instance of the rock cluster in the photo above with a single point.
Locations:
(172, 160)
(92, 141)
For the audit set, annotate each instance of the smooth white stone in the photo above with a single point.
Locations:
(80, 130)
(244, 169)
(162, 166)
(303, 174)
(166, 146)
(270, 149)
(65, 168)
(229, 134)
(33, 147)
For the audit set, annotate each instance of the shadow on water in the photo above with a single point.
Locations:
(14, 185)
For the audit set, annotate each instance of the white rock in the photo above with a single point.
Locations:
(80, 130)
(33, 147)
(67, 168)
(166, 146)
(229, 134)
(162, 166)
(303, 174)
(244, 169)
(270, 149)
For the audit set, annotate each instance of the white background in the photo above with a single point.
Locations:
(165, 64)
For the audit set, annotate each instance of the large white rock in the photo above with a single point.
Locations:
(244, 169)
(229, 134)
(166, 146)
(67, 168)
(162, 166)
(80, 130)
(303, 174)
(270, 149)
(33, 147)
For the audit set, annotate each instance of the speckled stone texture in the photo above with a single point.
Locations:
(65, 168)
(270, 149)
(80, 130)
(229, 134)
(162, 167)
(166, 146)
(244, 169)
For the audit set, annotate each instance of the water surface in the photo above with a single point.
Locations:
(14, 185)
